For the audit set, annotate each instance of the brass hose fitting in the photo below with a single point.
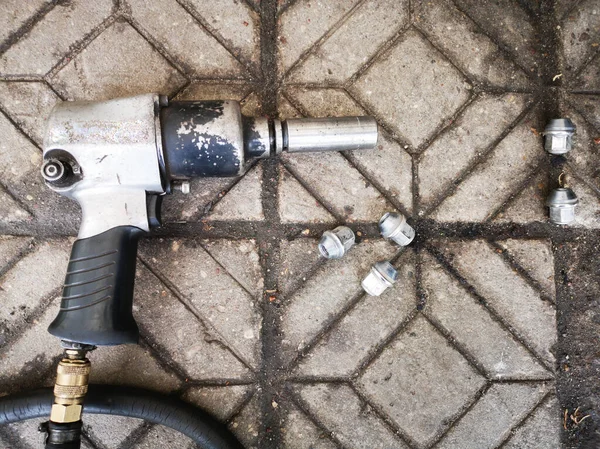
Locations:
(72, 376)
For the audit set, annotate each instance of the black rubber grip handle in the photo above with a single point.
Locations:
(96, 307)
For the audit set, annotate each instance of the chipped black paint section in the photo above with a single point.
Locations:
(190, 153)
(253, 140)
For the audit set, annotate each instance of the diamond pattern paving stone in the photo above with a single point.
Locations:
(535, 256)
(297, 205)
(474, 329)
(303, 24)
(301, 433)
(465, 142)
(176, 332)
(581, 31)
(19, 295)
(235, 22)
(110, 432)
(341, 187)
(246, 424)
(298, 258)
(10, 210)
(52, 38)
(540, 431)
(374, 22)
(421, 382)
(116, 64)
(350, 342)
(29, 105)
(529, 204)
(506, 292)
(514, 31)
(588, 79)
(338, 281)
(243, 201)
(221, 402)
(18, 156)
(491, 419)
(160, 436)
(188, 42)
(494, 180)
(353, 423)
(11, 247)
(15, 13)
(213, 294)
(470, 49)
(413, 76)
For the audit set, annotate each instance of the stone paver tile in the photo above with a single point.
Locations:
(52, 38)
(350, 342)
(301, 433)
(562, 7)
(474, 329)
(471, 50)
(161, 436)
(303, 24)
(241, 260)
(492, 181)
(29, 105)
(246, 424)
(588, 78)
(236, 23)
(581, 34)
(540, 431)
(201, 90)
(390, 166)
(26, 435)
(15, 13)
(177, 332)
(529, 205)
(220, 402)
(322, 102)
(490, 421)
(185, 39)
(421, 382)
(251, 105)
(373, 23)
(116, 64)
(536, 257)
(110, 432)
(482, 123)
(10, 210)
(339, 184)
(28, 361)
(509, 24)
(208, 288)
(19, 295)
(338, 281)
(413, 76)
(196, 204)
(297, 205)
(243, 201)
(18, 156)
(11, 247)
(354, 424)
(298, 257)
(131, 365)
(506, 292)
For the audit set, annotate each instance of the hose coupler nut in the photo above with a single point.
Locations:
(334, 244)
(559, 136)
(394, 227)
(562, 202)
(381, 277)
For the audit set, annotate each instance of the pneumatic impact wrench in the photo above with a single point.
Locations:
(118, 158)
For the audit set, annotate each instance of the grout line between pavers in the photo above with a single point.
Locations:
(27, 26)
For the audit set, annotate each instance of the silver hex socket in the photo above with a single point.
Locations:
(335, 243)
(558, 136)
(381, 277)
(393, 226)
(561, 203)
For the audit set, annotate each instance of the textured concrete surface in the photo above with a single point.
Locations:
(489, 338)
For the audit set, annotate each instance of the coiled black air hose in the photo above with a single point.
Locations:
(124, 401)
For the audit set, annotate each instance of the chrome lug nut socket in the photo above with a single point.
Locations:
(334, 244)
(562, 202)
(381, 277)
(394, 227)
(559, 136)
